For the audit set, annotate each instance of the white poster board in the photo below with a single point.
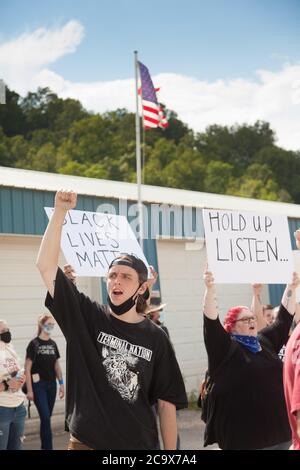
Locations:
(91, 240)
(246, 247)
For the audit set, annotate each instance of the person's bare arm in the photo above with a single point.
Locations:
(257, 306)
(289, 295)
(58, 371)
(28, 366)
(47, 261)
(210, 306)
(297, 314)
(168, 426)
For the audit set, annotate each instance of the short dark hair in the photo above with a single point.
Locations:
(133, 262)
(267, 307)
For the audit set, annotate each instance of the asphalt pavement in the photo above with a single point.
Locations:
(190, 428)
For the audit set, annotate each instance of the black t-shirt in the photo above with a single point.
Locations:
(249, 405)
(165, 329)
(44, 355)
(115, 372)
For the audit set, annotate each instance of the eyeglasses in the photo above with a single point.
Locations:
(246, 320)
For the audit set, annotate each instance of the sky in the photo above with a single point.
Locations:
(215, 61)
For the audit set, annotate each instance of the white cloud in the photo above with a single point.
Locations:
(22, 59)
(273, 96)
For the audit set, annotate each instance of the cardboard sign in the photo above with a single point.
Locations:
(92, 240)
(245, 247)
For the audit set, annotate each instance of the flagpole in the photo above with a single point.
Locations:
(138, 155)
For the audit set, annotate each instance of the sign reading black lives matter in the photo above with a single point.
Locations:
(246, 247)
(91, 240)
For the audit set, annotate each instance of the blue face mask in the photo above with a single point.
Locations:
(162, 316)
(48, 329)
(250, 342)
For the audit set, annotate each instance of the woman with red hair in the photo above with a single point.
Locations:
(249, 410)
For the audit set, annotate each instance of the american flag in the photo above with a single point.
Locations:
(153, 114)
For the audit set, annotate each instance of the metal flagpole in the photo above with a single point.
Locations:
(138, 155)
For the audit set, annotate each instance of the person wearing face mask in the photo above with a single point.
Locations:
(119, 363)
(12, 409)
(42, 368)
(248, 410)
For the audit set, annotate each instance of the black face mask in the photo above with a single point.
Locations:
(5, 337)
(125, 306)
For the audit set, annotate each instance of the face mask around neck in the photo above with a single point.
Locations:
(125, 306)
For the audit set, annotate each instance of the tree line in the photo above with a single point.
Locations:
(46, 133)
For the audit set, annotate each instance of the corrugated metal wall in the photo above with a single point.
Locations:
(22, 212)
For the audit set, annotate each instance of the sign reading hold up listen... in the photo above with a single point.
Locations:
(246, 247)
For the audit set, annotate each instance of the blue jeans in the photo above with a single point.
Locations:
(44, 398)
(12, 422)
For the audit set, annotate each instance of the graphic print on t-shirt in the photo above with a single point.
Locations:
(46, 349)
(120, 359)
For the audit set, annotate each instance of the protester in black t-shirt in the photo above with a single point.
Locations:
(118, 362)
(247, 406)
(42, 368)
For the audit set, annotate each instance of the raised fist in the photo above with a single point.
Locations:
(65, 200)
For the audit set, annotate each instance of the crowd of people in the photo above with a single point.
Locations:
(122, 370)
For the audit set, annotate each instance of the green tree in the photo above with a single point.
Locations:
(157, 158)
(186, 171)
(90, 139)
(34, 107)
(252, 188)
(217, 177)
(73, 168)
(97, 170)
(4, 149)
(47, 133)
(12, 118)
(258, 182)
(236, 145)
(19, 151)
(285, 167)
